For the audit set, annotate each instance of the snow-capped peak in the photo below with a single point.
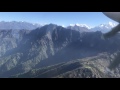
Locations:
(107, 25)
(80, 25)
(72, 25)
(112, 24)
(104, 27)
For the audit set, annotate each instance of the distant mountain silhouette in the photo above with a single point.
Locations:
(18, 25)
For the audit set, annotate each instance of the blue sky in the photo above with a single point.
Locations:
(60, 18)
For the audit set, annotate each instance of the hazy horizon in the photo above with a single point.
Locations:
(60, 18)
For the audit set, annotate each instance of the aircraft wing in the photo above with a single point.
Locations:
(113, 15)
(114, 31)
(116, 17)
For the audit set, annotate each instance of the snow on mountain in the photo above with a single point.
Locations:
(18, 25)
(85, 28)
(79, 27)
(104, 27)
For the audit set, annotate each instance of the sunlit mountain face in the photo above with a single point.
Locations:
(55, 51)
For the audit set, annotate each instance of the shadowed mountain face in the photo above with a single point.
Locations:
(50, 45)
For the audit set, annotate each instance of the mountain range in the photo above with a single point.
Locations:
(57, 52)
(15, 25)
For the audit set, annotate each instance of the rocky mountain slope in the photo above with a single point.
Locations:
(50, 45)
(90, 67)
